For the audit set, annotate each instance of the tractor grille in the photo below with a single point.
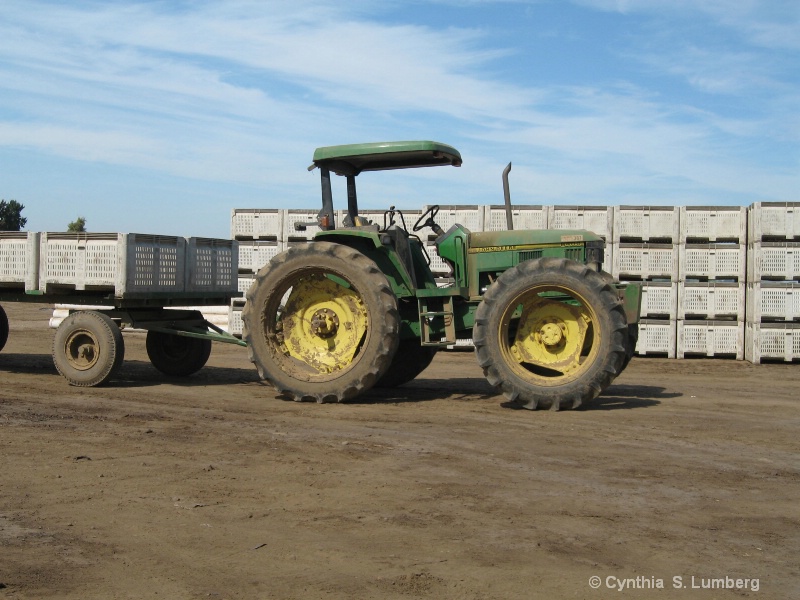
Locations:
(530, 255)
(575, 254)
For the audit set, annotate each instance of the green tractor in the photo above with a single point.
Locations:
(359, 307)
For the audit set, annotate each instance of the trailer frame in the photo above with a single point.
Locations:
(88, 347)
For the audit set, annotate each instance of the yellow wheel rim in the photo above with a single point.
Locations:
(547, 338)
(551, 334)
(323, 324)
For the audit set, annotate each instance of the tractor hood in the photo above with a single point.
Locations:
(494, 241)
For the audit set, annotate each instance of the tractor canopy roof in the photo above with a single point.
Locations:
(352, 159)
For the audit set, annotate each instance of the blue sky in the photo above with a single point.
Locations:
(162, 116)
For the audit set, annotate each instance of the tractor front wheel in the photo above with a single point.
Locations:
(321, 322)
(550, 333)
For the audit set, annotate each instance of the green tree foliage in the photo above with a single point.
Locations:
(78, 224)
(11, 218)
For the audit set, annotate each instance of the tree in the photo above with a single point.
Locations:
(78, 224)
(11, 218)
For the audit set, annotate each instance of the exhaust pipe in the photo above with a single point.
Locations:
(507, 196)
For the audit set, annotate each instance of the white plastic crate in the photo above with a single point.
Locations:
(597, 219)
(773, 301)
(235, 324)
(211, 265)
(292, 216)
(439, 267)
(709, 224)
(711, 338)
(216, 315)
(773, 221)
(645, 261)
(19, 260)
(772, 341)
(655, 224)
(244, 283)
(656, 337)
(470, 216)
(608, 257)
(710, 301)
(659, 300)
(776, 261)
(705, 262)
(523, 217)
(254, 255)
(62, 311)
(465, 344)
(377, 216)
(257, 223)
(125, 263)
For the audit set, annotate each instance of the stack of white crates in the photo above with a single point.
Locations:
(19, 260)
(773, 282)
(470, 216)
(261, 235)
(718, 281)
(645, 249)
(711, 281)
(597, 219)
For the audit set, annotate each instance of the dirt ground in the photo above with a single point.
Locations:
(683, 474)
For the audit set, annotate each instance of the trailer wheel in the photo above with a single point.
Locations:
(177, 355)
(88, 348)
(321, 323)
(3, 328)
(550, 333)
(410, 360)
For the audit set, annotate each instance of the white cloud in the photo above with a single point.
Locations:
(241, 93)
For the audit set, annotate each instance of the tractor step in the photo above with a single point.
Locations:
(428, 317)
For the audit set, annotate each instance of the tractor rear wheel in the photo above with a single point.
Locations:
(321, 322)
(550, 333)
(410, 360)
(3, 328)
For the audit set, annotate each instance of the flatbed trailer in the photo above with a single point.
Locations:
(125, 280)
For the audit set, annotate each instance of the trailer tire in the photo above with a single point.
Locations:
(3, 328)
(177, 355)
(410, 360)
(321, 323)
(88, 348)
(543, 351)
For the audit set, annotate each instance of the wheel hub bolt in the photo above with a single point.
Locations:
(551, 334)
(324, 323)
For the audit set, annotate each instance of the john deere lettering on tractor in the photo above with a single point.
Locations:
(359, 306)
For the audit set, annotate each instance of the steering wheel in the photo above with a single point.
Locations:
(426, 219)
